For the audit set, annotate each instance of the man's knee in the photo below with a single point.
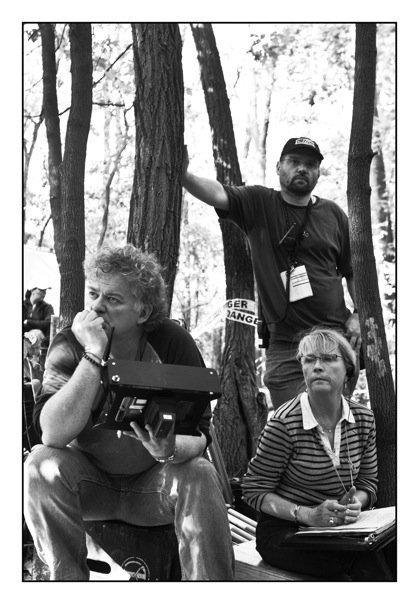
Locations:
(43, 466)
(196, 470)
(196, 465)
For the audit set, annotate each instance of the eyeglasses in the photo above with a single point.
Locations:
(310, 359)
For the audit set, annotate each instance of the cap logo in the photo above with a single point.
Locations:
(305, 141)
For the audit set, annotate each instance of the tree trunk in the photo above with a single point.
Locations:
(155, 211)
(266, 123)
(378, 370)
(52, 124)
(72, 173)
(381, 211)
(112, 165)
(27, 153)
(380, 196)
(240, 413)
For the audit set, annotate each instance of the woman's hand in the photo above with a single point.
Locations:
(353, 506)
(328, 513)
(157, 447)
(88, 329)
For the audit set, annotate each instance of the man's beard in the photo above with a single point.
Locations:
(300, 190)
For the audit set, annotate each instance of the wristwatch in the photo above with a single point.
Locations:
(167, 459)
(295, 511)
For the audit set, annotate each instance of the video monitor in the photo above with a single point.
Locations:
(157, 394)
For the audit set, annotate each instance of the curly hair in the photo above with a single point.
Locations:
(323, 340)
(142, 272)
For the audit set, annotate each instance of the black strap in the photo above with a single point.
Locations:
(142, 345)
(294, 243)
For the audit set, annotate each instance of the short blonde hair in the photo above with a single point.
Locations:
(323, 340)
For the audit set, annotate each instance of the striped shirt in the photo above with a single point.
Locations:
(292, 461)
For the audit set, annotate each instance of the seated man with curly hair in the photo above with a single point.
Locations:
(79, 473)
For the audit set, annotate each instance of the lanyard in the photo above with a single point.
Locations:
(290, 241)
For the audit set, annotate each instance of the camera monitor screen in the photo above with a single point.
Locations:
(157, 394)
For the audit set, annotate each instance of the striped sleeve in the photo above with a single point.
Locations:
(266, 467)
(367, 478)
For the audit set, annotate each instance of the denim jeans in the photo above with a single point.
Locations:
(283, 376)
(62, 488)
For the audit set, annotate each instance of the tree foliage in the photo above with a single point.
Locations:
(310, 83)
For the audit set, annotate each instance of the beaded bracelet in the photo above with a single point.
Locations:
(167, 459)
(99, 360)
(100, 364)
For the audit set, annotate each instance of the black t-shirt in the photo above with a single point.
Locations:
(265, 218)
(169, 343)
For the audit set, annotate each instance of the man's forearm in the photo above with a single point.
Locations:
(188, 447)
(67, 412)
(209, 191)
(350, 282)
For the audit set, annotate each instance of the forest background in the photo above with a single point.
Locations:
(282, 80)
(12, 102)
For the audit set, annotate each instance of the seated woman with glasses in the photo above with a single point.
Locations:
(315, 464)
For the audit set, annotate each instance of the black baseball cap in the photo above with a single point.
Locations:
(301, 143)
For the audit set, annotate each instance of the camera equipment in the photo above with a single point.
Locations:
(157, 394)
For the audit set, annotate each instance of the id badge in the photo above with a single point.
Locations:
(300, 287)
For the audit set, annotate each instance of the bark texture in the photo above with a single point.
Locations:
(241, 412)
(378, 370)
(66, 173)
(52, 124)
(155, 212)
(73, 172)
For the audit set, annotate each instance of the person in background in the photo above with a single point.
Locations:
(37, 313)
(32, 382)
(82, 473)
(300, 253)
(315, 465)
(32, 371)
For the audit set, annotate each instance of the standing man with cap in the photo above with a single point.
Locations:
(300, 253)
(37, 313)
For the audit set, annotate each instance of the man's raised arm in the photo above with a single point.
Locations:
(209, 191)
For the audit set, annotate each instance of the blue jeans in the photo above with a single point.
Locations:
(62, 488)
(283, 376)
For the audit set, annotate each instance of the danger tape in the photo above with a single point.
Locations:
(242, 311)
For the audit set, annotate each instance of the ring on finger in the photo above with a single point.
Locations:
(331, 520)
